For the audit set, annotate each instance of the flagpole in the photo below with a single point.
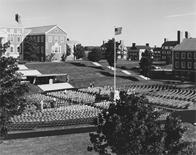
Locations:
(114, 68)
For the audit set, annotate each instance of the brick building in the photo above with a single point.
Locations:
(184, 58)
(51, 41)
(156, 53)
(134, 52)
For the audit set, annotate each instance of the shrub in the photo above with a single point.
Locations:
(95, 55)
(131, 127)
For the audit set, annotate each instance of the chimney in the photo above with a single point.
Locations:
(133, 44)
(165, 39)
(103, 42)
(147, 44)
(179, 37)
(186, 34)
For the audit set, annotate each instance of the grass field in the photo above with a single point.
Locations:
(83, 72)
(73, 144)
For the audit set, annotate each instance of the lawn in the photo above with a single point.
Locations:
(73, 144)
(83, 72)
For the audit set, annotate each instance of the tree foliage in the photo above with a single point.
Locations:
(146, 62)
(109, 51)
(11, 92)
(79, 51)
(3, 47)
(95, 55)
(68, 52)
(31, 50)
(131, 127)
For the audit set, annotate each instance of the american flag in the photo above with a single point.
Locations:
(18, 18)
(118, 30)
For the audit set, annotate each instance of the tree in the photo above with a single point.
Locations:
(3, 47)
(131, 126)
(95, 55)
(68, 52)
(146, 62)
(79, 51)
(109, 51)
(11, 92)
(31, 50)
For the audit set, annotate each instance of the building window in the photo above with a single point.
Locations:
(42, 38)
(183, 55)
(38, 39)
(42, 50)
(18, 31)
(12, 31)
(11, 38)
(189, 65)
(194, 65)
(18, 49)
(194, 55)
(50, 39)
(163, 57)
(176, 55)
(56, 38)
(168, 52)
(163, 52)
(34, 38)
(18, 38)
(176, 64)
(189, 55)
(12, 49)
(183, 65)
(62, 39)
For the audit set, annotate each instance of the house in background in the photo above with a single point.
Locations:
(184, 58)
(156, 53)
(51, 41)
(168, 46)
(134, 53)
(122, 50)
(15, 35)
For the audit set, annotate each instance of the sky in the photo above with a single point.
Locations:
(92, 21)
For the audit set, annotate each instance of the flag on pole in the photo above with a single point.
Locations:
(18, 18)
(118, 30)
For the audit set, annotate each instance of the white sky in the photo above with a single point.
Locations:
(92, 21)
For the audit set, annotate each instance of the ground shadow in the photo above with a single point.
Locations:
(96, 67)
(122, 77)
(78, 64)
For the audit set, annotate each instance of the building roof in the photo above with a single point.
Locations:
(143, 47)
(157, 49)
(91, 47)
(170, 43)
(186, 45)
(132, 48)
(41, 29)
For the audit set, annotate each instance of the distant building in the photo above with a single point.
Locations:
(184, 58)
(167, 47)
(122, 50)
(51, 42)
(156, 53)
(134, 53)
(15, 35)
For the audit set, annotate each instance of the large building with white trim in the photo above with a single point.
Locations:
(51, 41)
(16, 36)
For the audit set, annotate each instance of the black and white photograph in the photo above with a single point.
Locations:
(97, 77)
